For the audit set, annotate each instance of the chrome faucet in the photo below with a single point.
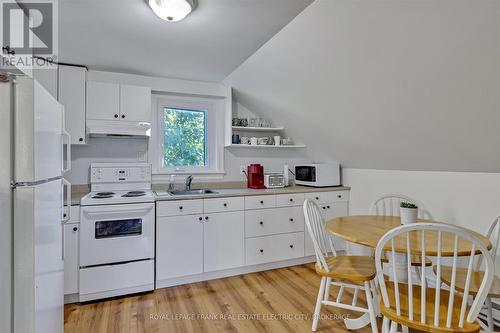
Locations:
(189, 179)
(171, 183)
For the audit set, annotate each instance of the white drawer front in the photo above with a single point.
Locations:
(224, 204)
(260, 250)
(264, 222)
(179, 207)
(290, 200)
(326, 197)
(260, 201)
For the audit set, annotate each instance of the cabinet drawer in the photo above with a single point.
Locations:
(289, 200)
(260, 201)
(328, 197)
(224, 204)
(74, 214)
(179, 207)
(260, 250)
(264, 222)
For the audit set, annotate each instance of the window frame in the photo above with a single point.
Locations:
(214, 134)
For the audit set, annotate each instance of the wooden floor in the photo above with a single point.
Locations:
(280, 300)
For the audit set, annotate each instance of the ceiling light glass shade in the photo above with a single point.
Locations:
(171, 10)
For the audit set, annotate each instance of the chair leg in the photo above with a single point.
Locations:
(404, 329)
(385, 325)
(394, 327)
(317, 309)
(371, 310)
(489, 310)
(327, 289)
(376, 300)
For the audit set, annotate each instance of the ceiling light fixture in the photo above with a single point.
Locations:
(172, 10)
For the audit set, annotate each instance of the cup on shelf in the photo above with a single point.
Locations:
(286, 141)
(243, 122)
(236, 122)
(252, 122)
(277, 140)
(235, 139)
(254, 141)
(244, 140)
(263, 141)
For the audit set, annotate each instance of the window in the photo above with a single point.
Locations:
(184, 138)
(189, 135)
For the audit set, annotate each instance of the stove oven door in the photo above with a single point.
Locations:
(116, 233)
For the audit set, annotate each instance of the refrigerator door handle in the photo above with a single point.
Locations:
(68, 201)
(67, 166)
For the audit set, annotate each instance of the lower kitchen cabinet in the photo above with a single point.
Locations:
(71, 245)
(223, 242)
(179, 246)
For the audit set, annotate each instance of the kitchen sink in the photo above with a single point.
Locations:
(192, 192)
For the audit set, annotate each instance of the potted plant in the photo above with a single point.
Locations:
(408, 212)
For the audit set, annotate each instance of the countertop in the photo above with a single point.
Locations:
(77, 195)
(239, 192)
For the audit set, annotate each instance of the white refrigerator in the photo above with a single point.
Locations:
(34, 156)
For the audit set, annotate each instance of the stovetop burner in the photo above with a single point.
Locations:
(104, 193)
(132, 194)
(102, 196)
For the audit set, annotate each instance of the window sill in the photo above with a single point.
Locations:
(164, 177)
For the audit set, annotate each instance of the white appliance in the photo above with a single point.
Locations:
(318, 175)
(117, 231)
(274, 180)
(32, 138)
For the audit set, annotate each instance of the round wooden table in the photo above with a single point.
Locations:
(367, 230)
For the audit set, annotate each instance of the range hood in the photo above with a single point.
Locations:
(118, 128)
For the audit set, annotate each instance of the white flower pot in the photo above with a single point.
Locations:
(408, 215)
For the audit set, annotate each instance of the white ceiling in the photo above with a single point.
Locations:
(126, 36)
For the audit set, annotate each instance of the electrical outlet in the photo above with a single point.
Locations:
(243, 169)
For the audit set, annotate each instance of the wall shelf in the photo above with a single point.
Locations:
(257, 129)
(265, 146)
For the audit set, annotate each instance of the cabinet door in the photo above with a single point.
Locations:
(72, 96)
(103, 100)
(135, 103)
(47, 77)
(224, 241)
(179, 246)
(329, 211)
(71, 266)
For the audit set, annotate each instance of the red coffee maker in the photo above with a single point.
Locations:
(255, 176)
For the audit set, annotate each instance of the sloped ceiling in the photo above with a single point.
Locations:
(126, 36)
(388, 84)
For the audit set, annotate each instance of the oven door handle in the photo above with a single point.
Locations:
(118, 212)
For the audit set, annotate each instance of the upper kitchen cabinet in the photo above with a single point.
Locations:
(103, 101)
(111, 101)
(71, 93)
(47, 77)
(135, 103)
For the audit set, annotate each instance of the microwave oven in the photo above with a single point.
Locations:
(318, 175)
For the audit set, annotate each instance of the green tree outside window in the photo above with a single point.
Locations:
(184, 138)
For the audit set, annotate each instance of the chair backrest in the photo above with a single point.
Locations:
(493, 235)
(315, 226)
(414, 239)
(388, 205)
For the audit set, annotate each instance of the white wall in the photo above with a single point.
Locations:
(467, 199)
(388, 84)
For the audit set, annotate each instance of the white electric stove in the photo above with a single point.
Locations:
(117, 231)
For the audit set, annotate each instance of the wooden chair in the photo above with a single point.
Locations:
(477, 277)
(388, 205)
(431, 309)
(355, 272)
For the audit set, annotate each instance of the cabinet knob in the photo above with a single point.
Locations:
(291, 200)
(339, 196)
(261, 223)
(116, 116)
(180, 207)
(261, 251)
(262, 202)
(206, 218)
(291, 246)
(225, 204)
(291, 220)
(317, 198)
(324, 207)
(81, 139)
(65, 215)
(123, 116)
(328, 207)
(200, 218)
(75, 229)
